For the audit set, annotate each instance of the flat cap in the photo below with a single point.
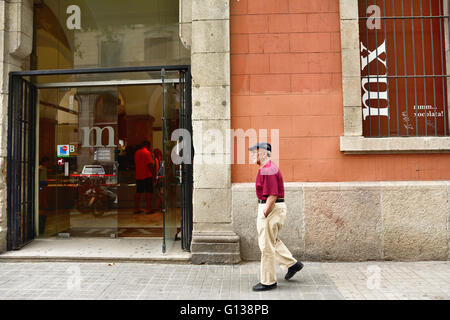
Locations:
(261, 145)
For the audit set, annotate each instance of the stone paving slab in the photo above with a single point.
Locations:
(391, 280)
(145, 281)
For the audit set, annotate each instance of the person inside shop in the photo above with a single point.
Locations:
(43, 183)
(159, 169)
(143, 161)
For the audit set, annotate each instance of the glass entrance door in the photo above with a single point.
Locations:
(171, 177)
(78, 168)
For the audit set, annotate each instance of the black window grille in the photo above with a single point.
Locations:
(403, 68)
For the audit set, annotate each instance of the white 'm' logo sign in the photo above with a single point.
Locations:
(99, 131)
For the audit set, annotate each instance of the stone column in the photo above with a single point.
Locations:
(16, 41)
(351, 73)
(213, 239)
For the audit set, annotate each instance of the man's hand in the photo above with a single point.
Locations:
(269, 205)
(151, 167)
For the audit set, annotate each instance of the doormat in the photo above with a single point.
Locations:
(153, 232)
(142, 232)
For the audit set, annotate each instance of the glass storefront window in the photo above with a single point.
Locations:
(88, 139)
(91, 125)
(107, 33)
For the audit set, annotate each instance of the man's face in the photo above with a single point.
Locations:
(256, 156)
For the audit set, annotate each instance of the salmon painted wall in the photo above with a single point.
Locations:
(286, 74)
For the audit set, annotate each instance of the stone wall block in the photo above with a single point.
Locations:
(448, 219)
(244, 220)
(210, 36)
(348, 9)
(185, 11)
(215, 247)
(210, 136)
(210, 9)
(350, 34)
(415, 223)
(3, 220)
(20, 28)
(212, 205)
(186, 34)
(342, 225)
(211, 176)
(352, 92)
(351, 66)
(210, 69)
(210, 103)
(351, 127)
(2, 15)
(2, 46)
(201, 227)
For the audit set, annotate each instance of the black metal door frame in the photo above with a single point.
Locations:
(186, 168)
(22, 150)
(21, 162)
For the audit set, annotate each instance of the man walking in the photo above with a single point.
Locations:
(271, 216)
(144, 176)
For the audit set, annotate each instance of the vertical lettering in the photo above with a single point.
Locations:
(374, 56)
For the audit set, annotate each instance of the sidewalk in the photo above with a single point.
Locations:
(366, 280)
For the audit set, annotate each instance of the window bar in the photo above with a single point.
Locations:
(16, 158)
(24, 205)
(30, 180)
(27, 164)
(414, 65)
(405, 71)
(9, 168)
(181, 167)
(13, 91)
(396, 71)
(433, 69)
(424, 71)
(444, 96)
(367, 66)
(412, 77)
(387, 71)
(19, 158)
(378, 78)
(409, 17)
(164, 152)
(31, 161)
(23, 162)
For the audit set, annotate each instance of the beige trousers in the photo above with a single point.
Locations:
(272, 248)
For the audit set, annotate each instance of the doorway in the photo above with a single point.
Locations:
(86, 135)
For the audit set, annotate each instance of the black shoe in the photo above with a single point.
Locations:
(293, 270)
(264, 287)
